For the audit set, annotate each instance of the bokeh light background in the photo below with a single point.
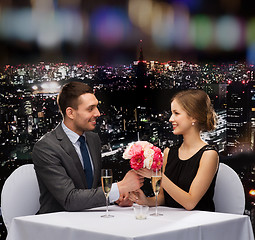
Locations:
(108, 32)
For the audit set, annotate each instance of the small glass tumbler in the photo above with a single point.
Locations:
(141, 211)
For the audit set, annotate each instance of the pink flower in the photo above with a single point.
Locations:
(144, 144)
(132, 150)
(136, 162)
(158, 158)
(127, 153)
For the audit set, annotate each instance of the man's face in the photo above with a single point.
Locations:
(84, 118)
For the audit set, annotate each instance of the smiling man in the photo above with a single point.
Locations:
(66, 180)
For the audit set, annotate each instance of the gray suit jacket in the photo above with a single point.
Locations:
(60, 174)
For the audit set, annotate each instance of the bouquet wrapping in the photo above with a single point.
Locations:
(143, 154)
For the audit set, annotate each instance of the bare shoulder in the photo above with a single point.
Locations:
(210, 158)
(211, 153)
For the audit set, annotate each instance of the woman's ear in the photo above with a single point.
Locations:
(193, 121)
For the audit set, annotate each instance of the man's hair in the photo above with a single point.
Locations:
(69, 94)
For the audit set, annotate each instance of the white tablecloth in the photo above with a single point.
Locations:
(174, 224)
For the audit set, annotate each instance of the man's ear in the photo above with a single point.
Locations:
(70, 112)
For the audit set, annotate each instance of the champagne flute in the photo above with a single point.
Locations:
(106, 179)
(156, 182)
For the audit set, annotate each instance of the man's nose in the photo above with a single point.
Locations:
(97, 113)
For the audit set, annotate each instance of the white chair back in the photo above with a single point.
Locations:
(229, 194)
(20, 194)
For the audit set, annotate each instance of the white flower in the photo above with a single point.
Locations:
(144, 144)
(127, 154)
(148, 154)
(148, 162)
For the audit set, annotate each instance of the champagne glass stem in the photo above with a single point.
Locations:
(107, 212)
(156, 204)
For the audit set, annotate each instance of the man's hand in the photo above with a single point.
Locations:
(131, 182)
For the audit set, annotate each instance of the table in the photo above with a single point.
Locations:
(174, 224)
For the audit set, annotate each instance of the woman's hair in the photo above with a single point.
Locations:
(68, 96)
(198, 105)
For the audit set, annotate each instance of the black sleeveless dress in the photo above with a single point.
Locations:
(182, 173)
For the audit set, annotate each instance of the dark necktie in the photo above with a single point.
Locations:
(86, 161)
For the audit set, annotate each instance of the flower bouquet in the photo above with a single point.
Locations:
(143, 154)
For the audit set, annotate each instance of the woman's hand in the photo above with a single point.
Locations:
(138, 197)
(124, 200)
(145, 172)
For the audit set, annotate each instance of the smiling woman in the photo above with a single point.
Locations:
(189, 169)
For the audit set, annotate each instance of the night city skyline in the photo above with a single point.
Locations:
(135, 55)
(134, 101)
(34, 90)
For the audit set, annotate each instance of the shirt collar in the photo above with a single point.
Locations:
(71, 134)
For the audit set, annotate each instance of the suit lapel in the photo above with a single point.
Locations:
(68, 147)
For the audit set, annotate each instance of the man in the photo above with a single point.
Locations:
(62, 175)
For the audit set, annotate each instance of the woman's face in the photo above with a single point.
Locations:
(179, 119)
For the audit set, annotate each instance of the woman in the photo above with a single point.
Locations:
(189, 170)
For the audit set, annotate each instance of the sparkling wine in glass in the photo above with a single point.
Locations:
(106, 179)
(156, 183)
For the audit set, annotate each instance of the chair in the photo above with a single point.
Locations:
(229, 192)
(20, 194)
